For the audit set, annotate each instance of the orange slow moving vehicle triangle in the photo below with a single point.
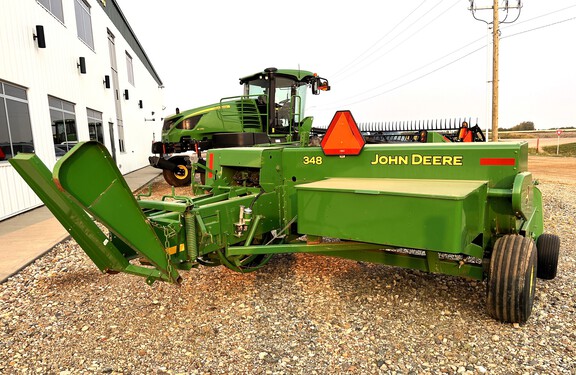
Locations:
(343, 136)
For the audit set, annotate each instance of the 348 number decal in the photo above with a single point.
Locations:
(316, 160)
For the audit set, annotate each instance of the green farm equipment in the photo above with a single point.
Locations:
(461, 209)
(271, 109)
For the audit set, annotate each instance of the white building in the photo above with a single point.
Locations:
(71, 70)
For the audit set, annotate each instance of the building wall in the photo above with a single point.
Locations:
(53, 71)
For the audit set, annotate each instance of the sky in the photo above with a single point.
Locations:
(386, 61)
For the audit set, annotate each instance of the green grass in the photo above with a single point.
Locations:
(565, 150)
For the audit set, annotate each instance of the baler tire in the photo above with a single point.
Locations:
(512, 279)
(176, 180)
(548, 246)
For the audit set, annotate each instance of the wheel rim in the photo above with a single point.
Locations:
(183, 172)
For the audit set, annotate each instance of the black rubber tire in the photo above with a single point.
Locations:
(177, 180)
(512, 279)
(548, 252)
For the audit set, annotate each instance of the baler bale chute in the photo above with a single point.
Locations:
(463, 209)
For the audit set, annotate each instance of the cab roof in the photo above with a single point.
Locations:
(296, 74)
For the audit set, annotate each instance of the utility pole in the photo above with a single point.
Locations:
(495, 53)
(495, 50)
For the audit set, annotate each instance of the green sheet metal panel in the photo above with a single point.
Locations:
(439, 215)
(250, 157)
(497, 163)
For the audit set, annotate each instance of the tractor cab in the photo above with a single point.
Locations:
(270, 109)
(281, 97)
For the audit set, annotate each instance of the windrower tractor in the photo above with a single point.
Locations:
(454, 208)
(271, 109)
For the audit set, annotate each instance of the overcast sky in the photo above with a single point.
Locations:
(386, 61)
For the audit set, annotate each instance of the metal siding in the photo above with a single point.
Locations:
(16, 196)
(53, 71)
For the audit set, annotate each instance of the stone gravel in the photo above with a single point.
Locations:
(301, 314)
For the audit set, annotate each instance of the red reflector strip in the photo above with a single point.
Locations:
(210, 165)
(498, 161)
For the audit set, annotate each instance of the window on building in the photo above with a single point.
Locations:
(63, 120)
(95, 125)
(130, 68)
(15, 126)
(54, 7)
(84, 22)
(121, 136)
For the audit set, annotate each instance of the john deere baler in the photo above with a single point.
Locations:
(463, 209)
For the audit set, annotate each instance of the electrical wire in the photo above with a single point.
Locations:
(348, 73)
(333, 105)
(378, 41)
(415, 79)
(403, 41)
(538, 28)
(359, 59)
(420, 68)
(537, 17)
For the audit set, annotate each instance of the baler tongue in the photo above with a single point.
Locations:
(92, 180)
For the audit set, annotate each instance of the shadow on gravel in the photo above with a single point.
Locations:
(72, 278)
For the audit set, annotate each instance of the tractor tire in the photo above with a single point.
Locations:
(182, 178)
(512, 279)
(548, 246)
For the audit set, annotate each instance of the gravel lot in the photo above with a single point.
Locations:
(301, 314)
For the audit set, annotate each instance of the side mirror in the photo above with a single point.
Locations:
(320, 84)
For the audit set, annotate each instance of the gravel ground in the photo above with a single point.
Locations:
(301, 314)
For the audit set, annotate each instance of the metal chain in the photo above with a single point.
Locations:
(168, 232)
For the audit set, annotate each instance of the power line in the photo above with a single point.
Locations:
(333, 105)
(539, 27)
(540, 16)
(378, 41)
(418, 78)
(403, 41)
(360, 59)
(420, 68)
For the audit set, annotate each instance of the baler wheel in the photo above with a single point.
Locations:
(548, 246)
(512, 279)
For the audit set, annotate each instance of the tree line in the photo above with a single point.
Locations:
(527, 125)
